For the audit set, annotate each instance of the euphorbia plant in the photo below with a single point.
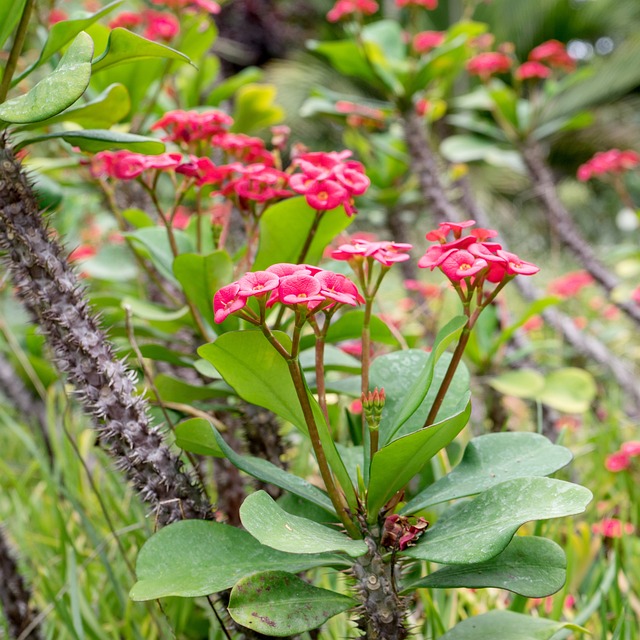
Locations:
(359, 521)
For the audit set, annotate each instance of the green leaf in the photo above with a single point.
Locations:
(334, 359)
(197, 435)
(195, 558)
(506, 625)
(346, 57)
(101, 112)
(257, 372)
(123, 46)
(489, 460)
(417, 392)
(267, 472)
(468, 148)
(506, 99)
(10, 13)
(62, 33)
(478, 530)
(254, 108)
(277, 603)
(520, 383)
(530, 566)
(58, 90)
(284, 228)
(94, 140)
(395, 464)
(225, 89)
(153, 312)
(201, 276)
(173, 389)
(571, 390)
(266, 521)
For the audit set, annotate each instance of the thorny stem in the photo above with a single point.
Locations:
(16, 49)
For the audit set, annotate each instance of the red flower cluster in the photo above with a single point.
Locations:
(386, 253)
(612, 528)
(612, 161)
(570, 284)
(472, 257)
(125, 165)
(621, 459)
(289, 284)
(205, 5)
(425, 4)
(187, 126)
(157, 25)
(489, 63)
(328, 180)
(532, 70)
(553, 53)
(425, 41)
(344, 8)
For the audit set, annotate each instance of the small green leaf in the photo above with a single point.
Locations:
(277, 603)
(173, 389)
(346, 57)
(272, 526)
(227, 88)
(520, 383)
(153, 312)
(195, 558)
(254, 108)
(530, 566)
(267, 472)
(201, 276)
(489, 460)
(58, 90)
(395, 464)
(284, 228)
(94, 140)
(478, 530)
(10, 13)
(124, 46)
(506, 625)
(197, 435)
(571, 390)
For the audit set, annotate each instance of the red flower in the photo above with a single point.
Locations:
(325, 194)
(631, 448)
(57, 15)
(226, 301)
(425, 41)
(461, 264)
(487, 64)
(344, 8)
(571, 284)
(126, 20)
(611, 161)
(425, 4)
(160, 26)
(532, 70)
(300, 288)
(187, 126)
(618, 461)
(612, 528)
(387, 253)
(257, 283)
(337, 287)
(554, 53)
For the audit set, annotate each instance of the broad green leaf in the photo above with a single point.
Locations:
(506, 99)
(571, 390)
(417, 392)
(173, 389)
(396, 372)
(396, 463)
(164, 354)
(201, 276)
(94, 140)
(284, 228)
(468, 148)
(257, 372)
(530, 566)
(443, 64)
(346, 57)
(195, 558)
(153, 312)
(277, 603)
(10, 13)
(101, 112)
(124, 46)
(268, 472)
(58, 90)
(197, 435)
(266, 521)
(62, 33)
(489, 460)
(520, 383)
(506, 625)
(155, 242)
(478, 530)
(254, 108)
(334, 359)
(227, 88)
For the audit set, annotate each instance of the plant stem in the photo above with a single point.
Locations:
(16, 49)
(310, 236)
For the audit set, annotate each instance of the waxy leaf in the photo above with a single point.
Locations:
(124, 46)
(491, 459)
(396, 463)
(10, 14)
(254, 108)
(196, 558)
(530, 566)
(284, 228)
(264, 519)
(58, 90)
(506, 625)
(197, 435)
(277, 603)
(94, 140)
(268, 472)
(479, 530)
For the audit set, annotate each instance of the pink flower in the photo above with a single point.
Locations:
(344, 8)
(461, 264)
(206, 5)
(300, 288)
(57, 15)
(387, 253)
(612, 528)
(83, 252)
(635, 295)
(325, 194)
(257, 283)
(160, 26)
(126, 20)
(425, 41)
(337, 287)
(187, 126)
(487, 64)
(516, 265)
(617, 461)
(533, 324)
(532, 70)
(226, 301)
(631, 448)
(553, 53)
(611, 161)
(283, 269)
(425, 4)
(571, 284)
